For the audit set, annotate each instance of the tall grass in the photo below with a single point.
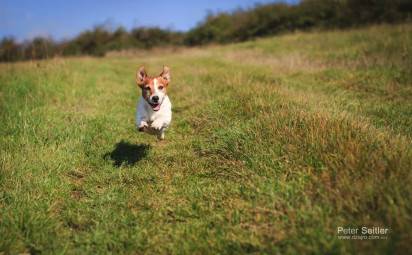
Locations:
(274, 144)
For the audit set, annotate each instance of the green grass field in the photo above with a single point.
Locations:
(274, 144)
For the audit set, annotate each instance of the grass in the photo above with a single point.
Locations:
(274, 144)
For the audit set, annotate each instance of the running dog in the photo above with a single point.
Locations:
(154, 109)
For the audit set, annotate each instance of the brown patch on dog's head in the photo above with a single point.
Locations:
(141, 76)
(163, 79)
(165, 75)
(144, 82)
(147, 83)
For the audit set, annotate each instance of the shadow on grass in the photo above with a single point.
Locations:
(127, 154)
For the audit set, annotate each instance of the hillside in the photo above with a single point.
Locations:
(274, 144)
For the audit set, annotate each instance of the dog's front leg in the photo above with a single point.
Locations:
(161, 134)
(157, 124)
(159, 127)
(142, 126)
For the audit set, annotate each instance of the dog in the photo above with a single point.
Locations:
(154, 109)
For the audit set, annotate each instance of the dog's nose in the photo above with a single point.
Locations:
(155, 98)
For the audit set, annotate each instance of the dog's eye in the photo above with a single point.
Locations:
(147, 88)
(160, 87)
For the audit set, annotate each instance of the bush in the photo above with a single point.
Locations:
(10, 50)
(224, 27)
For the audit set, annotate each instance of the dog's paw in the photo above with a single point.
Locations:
(161, 136)
(142, 126)
(157, 125)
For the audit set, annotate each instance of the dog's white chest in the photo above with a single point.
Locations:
(157, 120)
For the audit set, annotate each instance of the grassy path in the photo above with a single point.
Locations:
(274, 144)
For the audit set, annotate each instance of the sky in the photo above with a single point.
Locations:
(64, 19)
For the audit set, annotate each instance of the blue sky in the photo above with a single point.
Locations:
(63, 19)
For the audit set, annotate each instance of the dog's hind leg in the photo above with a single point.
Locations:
(161, 134)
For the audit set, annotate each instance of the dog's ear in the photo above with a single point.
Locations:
(165, 74)
(141, 76)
